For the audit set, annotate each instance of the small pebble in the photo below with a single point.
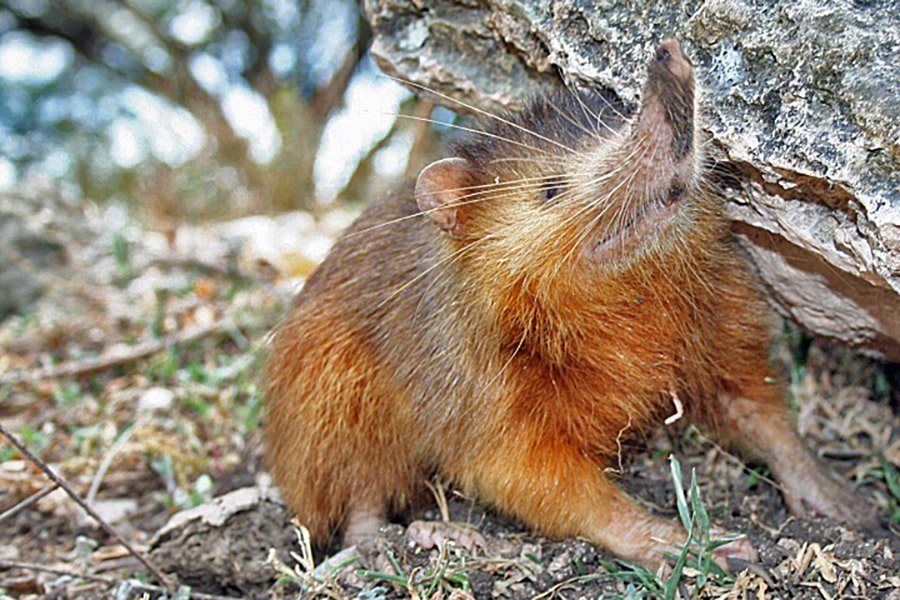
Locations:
(156, 399)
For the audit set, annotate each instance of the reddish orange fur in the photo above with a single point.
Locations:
(309, 443)
(511, 360)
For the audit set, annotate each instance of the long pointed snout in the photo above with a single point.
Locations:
(672, 58)
(668, 102)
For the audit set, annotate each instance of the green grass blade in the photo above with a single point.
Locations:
(680, 500)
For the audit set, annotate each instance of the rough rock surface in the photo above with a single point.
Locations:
(223, 545)
(27, 249)
(801, 101)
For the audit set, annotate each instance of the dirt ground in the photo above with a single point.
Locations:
(135, 378)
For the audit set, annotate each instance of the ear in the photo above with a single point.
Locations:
(440, 193)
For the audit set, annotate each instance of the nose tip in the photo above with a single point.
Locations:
(670, 54)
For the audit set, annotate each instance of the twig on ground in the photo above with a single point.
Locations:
(15, 564)
(27, 502)
(157, 573)
(117, 358)
(114, 564)
(552, 591)
(178, 262)
(737, 564)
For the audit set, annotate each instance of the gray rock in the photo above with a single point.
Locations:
(223, 545)
(801, 100)
(27, 252)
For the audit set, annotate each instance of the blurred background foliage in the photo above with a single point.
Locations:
(191, 110)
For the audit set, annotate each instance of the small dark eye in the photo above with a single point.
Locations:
(549, 193)
(674, 194)
(662, 54)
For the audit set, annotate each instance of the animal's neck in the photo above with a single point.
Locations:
(648, 314)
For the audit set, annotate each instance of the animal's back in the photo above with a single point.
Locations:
(336, 421)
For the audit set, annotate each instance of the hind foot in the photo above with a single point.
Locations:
(809, 488)
(732, 556)
(435, 534)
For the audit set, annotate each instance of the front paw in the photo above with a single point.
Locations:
(735, 554)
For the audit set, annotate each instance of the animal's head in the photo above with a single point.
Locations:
(570, 197)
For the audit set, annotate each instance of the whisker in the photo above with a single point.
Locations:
(483, 112)
(594, 221)
(473, 198)
(590, 184)
(480, 132)
(570, 120)
(596, 118)
(540, 160)
(453, 254)
(508, 362)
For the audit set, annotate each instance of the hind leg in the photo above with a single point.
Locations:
(365, 517)
(756, 419)
(751, 411)
(336, 429)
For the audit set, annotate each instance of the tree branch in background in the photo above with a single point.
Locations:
(283, 184)
(423, 142)
(88, 36)
(123, 36)
(357, 188)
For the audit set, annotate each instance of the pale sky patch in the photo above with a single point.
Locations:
(171, 133)
(7, 175)
(25, 60)
(248, 114)
(209, 73)
(194, 23)
(370, 109)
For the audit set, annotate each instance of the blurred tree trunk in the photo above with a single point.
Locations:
(100, 35)
(301, 125)
(89, 37)
(800, 101)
